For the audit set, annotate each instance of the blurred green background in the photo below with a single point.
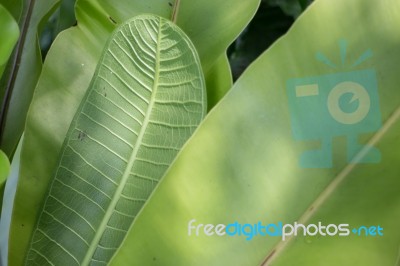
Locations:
(272, 20)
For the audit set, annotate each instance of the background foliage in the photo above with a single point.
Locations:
(242, 162)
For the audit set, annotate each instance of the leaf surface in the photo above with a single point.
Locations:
(22, 71)
(146, 98)
(244, 162)
(9, 34)
(4, 172)
(66, 76)
(8, 200)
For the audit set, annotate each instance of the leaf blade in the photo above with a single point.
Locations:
(60, 91)
(246, 165)
(4, 172)
(124, 172)
(9, 32)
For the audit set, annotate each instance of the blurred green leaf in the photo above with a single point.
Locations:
(4, 172)
(266, 27)
(62, 19)
(219, 78)
(9, 35)
(66, 15)
(22, 72)
(304, 3)
(7, 206)
(14, 7)
(211, 25)
(291, 7)
(243, 162)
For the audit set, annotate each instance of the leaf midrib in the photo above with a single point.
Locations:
(333, 185)
(95, 242)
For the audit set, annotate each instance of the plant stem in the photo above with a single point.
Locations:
(14, 64)
(175, 11)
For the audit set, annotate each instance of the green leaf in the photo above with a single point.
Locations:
(265, 28)
(66, 76)
(66, 17)
(4, 172)
(22, 71)
(146, 98)
(14, 7)
(242, 164)
(219, 77)
(290, 7)
(213, 25)
(8, 200)
(9, 35)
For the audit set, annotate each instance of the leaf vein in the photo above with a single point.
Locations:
(79, 193)
(109, 130)
(59, 245)
(122, 96)
(84, 180)
(127, 71)
(66, 226)
(92, 166)
(43, 256)
(72, 210)
(137, 56)
(125, 84)
(112, 117)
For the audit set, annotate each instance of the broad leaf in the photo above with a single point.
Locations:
(243, 163)
(66, 76)
(9, 34)
(146, 98)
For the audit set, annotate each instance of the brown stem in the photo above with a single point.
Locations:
(175, 11)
